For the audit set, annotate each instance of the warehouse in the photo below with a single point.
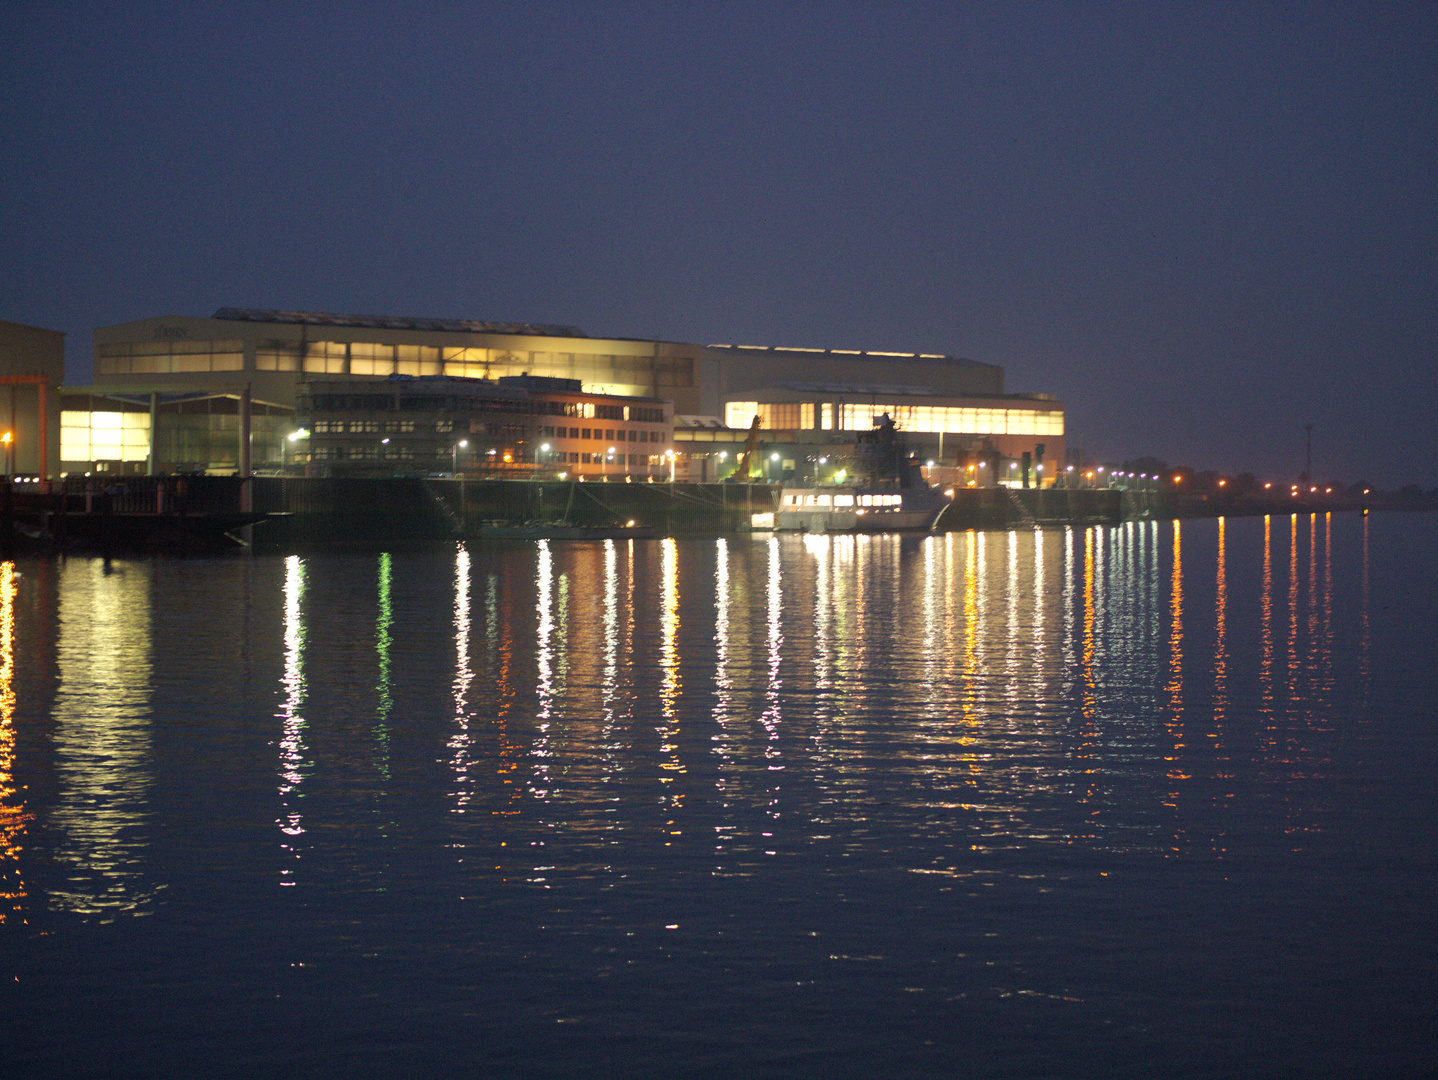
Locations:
(246, 364)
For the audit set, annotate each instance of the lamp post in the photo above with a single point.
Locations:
(670, 455)
(604, 465)
(543, 448)
(773, 459)
(454, 454)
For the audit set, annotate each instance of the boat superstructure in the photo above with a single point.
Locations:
(889, 492)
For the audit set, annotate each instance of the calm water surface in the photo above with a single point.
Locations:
(1151, 800)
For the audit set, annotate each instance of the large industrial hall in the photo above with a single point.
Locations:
(261, 390)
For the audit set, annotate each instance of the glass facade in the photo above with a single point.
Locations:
(104, 436)
(845, 416)
(169, 357)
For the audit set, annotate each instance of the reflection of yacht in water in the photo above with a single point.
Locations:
(888, 492)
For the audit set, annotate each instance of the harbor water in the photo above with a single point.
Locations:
(1156, 799)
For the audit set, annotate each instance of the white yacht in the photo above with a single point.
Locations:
(858, 508)
(889, 492)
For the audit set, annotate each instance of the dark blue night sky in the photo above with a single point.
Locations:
(1202, 226)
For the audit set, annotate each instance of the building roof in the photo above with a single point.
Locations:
(857, 389)
(395, 322)
(854, 354)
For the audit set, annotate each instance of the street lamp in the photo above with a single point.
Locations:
(454, 454)
(773, 459)
(604, 465)
(541, 449)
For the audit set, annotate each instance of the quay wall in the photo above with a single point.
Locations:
(396, 513)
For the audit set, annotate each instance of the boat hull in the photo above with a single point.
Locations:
(857, 509)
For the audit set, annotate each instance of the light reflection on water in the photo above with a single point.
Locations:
(13, 816)
(753, 741)
(293, 764)
(103, 758)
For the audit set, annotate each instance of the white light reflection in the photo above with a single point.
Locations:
(775, 638)
(821, 549)
(669, 760)
(546, 652)
(931, 614)
(102, 738)
(461, 743)
(1154, 607)
(544, 610)
(1011, 628)
(611, 634)
(1070, 635)
(384, 634)
(772, 709)
(1089, 698)
(1040, 597)
(293, 765)
(724, 743)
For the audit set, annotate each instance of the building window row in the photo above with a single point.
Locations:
(169, 357)
(845, 416)
(357, 427)
(577, 410)
(374, 359)
(598, 457)
(609, 435)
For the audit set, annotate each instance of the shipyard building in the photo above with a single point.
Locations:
(32, 369)
(277, 390)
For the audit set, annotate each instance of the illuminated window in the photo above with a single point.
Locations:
(104, 436)
(325, 357)
(169, 357)
(278, 356)
(366, 359)
(417, 360)
(740, 414)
